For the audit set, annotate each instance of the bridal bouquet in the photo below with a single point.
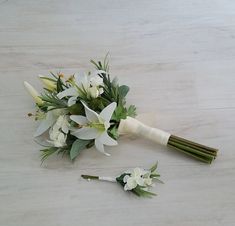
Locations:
(85, 110)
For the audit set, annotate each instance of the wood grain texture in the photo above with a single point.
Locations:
(178, 59)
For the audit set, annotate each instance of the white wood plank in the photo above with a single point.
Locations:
(178, 59)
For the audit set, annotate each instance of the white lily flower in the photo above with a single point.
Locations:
(34, 93)
(135, 178)
(71, 92)
(48, 121)
(95, 126)
(89, 85)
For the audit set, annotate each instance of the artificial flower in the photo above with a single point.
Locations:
(34, 93)
(48, 121)
(95, 126)
(138, 180)
(58, 132)
(57, 138)
(134, 178)
(49, 83)
(83, 85)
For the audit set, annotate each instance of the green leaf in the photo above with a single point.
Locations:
(49, 79)
(59, 85)
(91, 144)
(138, 190)
(76, 109)
(123, 90)
(51, 100)
(77, 147)
(119, 113)
(154, 167)
(47, 152)
(131, 111)
(96, 104)
(120, 179)
(114, 133)
(115, 81)
(112, 93)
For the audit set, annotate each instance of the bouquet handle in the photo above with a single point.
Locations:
(198, 151)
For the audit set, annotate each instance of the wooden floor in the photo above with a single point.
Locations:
(178, 57)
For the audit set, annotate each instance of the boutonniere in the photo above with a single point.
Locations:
(138, 180)
(84, 110)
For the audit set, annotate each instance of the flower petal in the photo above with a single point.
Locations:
(91, 115)
(68, 92)
(96, 80)
(139, 181)
(131, 183)
(101, 90)
(107, 112)
(100, 147)
(78, 77)
(138, 172)
(82, 80)
(125, 178)
(126, 188)
(65, 128)
(98, 72)
(72, 101)
(45, 124)
(148, 181)
(94, 92)
(79, 119)
(86, 133)
(33, 92)
(104, 138)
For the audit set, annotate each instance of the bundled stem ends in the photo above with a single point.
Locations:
(198, 151)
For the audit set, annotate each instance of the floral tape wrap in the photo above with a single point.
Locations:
(108, 179)
(133, 126)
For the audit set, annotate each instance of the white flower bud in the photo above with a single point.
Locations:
(48, 83)
(33, 92)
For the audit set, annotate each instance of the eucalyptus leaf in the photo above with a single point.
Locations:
(77, 147)
(123, 90)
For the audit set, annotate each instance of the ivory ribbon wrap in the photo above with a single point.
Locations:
(108, 179)
(133, 126)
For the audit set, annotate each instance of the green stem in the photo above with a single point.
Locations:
(191, 143)
(198, 151)
(90, 177)
(210, 152)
